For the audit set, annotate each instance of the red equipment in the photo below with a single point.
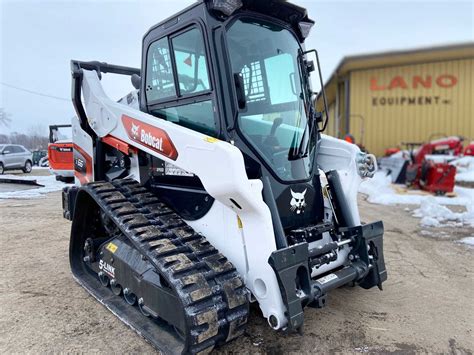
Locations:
(469, 149)
(434, 176)
(60, 154)
(391, 151)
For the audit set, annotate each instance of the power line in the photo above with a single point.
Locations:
(35, 92)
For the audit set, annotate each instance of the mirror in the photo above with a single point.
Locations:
(317, 87)
(6, 152)
(136, 80)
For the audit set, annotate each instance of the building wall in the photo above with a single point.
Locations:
(411, 103)
(331, 127)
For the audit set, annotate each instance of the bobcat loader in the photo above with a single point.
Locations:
(211, 185)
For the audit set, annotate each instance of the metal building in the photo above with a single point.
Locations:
(388, 98)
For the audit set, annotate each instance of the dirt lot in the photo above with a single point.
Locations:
(426, 306)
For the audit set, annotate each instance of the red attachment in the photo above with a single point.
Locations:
(119, 144)
(469, 149)
(60, 156)
(448, 145)
(438, 178)
(391, 151)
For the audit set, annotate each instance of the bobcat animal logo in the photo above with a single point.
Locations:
(297, 203)
(135, 130)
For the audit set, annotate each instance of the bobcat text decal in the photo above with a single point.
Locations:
(150, 136)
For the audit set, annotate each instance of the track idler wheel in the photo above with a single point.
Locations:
(141, 306)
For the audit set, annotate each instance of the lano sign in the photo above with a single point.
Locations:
(444, 81)
(399, 82)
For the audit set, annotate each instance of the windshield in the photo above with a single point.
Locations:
(58, 134)
(274, 121)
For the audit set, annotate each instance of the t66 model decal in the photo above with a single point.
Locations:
(149, 136)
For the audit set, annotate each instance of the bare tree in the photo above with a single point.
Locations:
(38, 137)
(4, 117)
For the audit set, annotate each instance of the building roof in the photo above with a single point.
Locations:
(395, 58)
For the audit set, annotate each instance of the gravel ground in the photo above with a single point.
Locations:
(426, 306)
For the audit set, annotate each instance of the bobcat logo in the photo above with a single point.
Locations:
(135, 130)
(297, 202)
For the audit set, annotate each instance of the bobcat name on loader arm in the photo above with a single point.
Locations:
(200, 206)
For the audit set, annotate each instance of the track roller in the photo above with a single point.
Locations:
(130, 297)
(116, 288)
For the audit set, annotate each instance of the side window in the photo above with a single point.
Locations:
(159, 76)
(190, 71)
(197, 116)
(191, 64)
(8, 149)
(15, 149)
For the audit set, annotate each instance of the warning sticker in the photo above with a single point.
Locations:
(111, 247)
(327, 278)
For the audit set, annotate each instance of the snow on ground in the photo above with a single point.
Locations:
(468, 240)
(433, 214)
(380, 191)
(432, 210)
(49, 182)
(464, 168)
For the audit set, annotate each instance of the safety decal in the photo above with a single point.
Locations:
(211, 140)
(327, 278)
(111, 247)
(149, 136)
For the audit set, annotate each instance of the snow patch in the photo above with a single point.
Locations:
(50, 185)
(468, 241)
(464, 169)
(433, 214)
(379, 190)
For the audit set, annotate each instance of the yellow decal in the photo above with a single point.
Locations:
(239, 223)
(211, 139)
(111, 247)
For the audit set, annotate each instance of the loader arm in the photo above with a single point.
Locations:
(199, 154)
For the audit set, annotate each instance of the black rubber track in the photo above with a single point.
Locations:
(213, 297)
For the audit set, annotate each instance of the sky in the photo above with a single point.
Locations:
(38, 38)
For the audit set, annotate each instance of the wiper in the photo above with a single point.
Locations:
(294, 153)
(303, 148)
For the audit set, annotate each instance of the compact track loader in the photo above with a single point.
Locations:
(211, 185)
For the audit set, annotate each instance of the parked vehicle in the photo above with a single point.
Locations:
(60, 153)
(37, 155)
(219, 189)
(15, 156)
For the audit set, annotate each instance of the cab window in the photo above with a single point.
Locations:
(177, 85)
(196, 116)
(191, 63)
(159, 78)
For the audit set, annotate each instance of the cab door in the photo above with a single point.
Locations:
(8, 157)
(178, 89)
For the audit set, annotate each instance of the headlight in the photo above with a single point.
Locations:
(227, 7)
(366, 165)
